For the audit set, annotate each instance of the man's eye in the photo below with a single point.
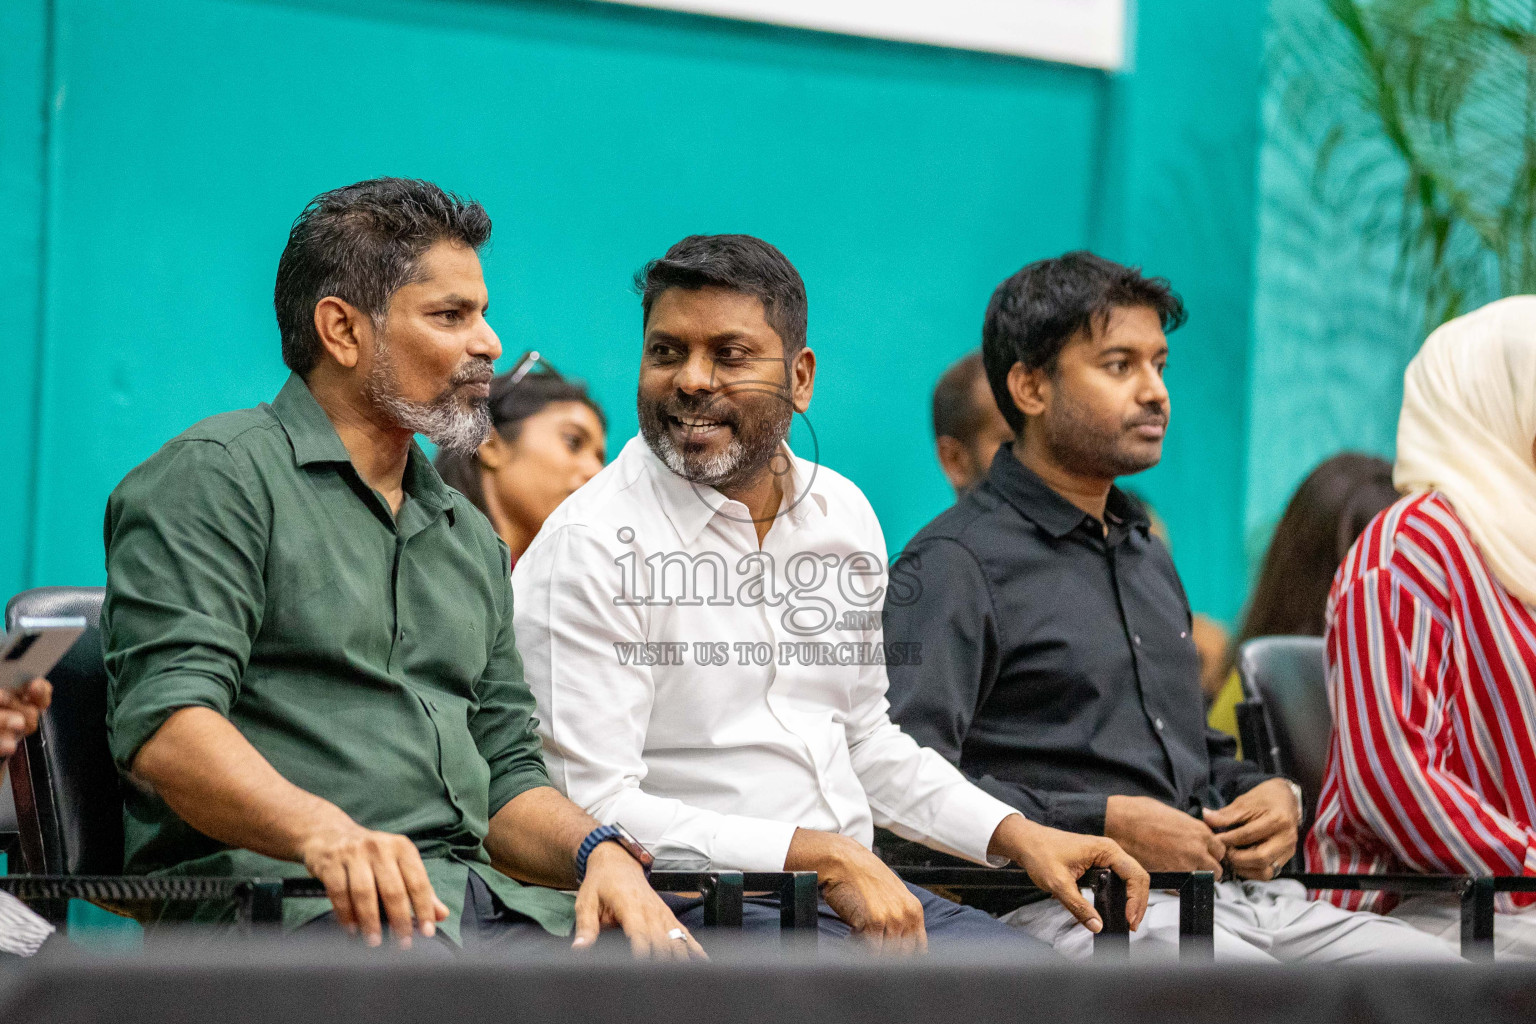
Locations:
(1118, 366)
(451, 316)
(573, 442)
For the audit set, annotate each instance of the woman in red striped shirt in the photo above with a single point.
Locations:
(1432, 638)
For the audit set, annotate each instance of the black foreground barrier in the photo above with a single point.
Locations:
(256, 982)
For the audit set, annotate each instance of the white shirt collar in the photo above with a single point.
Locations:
(690, 507)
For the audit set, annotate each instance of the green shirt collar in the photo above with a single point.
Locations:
(314, 439)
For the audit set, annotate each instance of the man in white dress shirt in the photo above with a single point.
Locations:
(700, 625)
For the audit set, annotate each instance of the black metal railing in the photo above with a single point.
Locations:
(258, 902)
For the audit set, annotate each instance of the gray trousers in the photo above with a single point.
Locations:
(1439, 914)
(1256, 922)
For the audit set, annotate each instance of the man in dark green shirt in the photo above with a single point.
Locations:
(309, 636)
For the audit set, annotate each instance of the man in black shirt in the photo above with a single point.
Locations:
(1057, 668)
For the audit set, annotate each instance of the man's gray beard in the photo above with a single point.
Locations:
(447, 423)
(710, 471)
(739, 461)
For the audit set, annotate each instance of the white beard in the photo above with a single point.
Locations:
(709, 470)
(454, 427)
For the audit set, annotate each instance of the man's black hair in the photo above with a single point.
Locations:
(362, 243)
(955, 412)
(740, 263)
(1035, 313)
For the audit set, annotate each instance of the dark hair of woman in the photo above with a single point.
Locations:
(512, 402)
(1328, 512)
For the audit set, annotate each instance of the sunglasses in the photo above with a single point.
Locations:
(531, 362)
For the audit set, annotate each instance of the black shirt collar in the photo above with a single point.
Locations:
(1057, 516)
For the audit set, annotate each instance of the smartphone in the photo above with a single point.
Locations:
(32, 648)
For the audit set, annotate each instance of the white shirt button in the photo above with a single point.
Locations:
(1159, 724)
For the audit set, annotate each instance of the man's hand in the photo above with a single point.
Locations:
(615, 893)
(1259, 829)
(865, 893)
(1162, 838)
(19, 712)
(360, 869)
(1055, 861)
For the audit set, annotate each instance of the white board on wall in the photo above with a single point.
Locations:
(1087, 32)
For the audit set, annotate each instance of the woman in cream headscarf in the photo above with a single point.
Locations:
(1468, 430)
(1432, 636)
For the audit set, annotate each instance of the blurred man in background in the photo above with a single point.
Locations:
(967, 428)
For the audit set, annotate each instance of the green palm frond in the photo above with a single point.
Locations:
(1450, 87)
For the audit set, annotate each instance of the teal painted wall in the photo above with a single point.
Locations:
(142, 217)
(1332, 333)
(1181, 188)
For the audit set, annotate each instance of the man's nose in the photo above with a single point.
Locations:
(1154, 391)
(697, 374)
(485, 343)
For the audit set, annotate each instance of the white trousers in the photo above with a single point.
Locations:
(1256, 922)
(1439, 914)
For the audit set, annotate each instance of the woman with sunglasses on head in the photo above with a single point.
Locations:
(550, 438)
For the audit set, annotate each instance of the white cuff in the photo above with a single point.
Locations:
(967, 820)
(750, 844)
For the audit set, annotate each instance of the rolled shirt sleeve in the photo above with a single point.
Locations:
(503, 724)
(186, 536)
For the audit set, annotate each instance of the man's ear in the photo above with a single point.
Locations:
(802, 379)
(343, 330)
(955, 460)
(1029, 389)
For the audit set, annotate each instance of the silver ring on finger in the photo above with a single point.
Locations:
(677, 935)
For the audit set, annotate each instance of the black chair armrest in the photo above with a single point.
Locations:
(722, 892)
(258, 901)
(999, 886)
(1257, 737)
(1477, 898)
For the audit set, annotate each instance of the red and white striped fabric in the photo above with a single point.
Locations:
(1432, 680)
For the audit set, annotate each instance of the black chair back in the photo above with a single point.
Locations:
(69, 802)
(1289, 676)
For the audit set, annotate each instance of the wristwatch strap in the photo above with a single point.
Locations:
(595, 838)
